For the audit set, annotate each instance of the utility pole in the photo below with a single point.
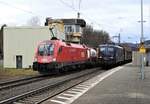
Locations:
(119, 38)
(142, 43)
(142, 40)
(78, 14)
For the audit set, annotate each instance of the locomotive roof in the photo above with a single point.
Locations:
(110, 45)
(63, 43)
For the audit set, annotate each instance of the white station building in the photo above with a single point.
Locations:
(20, 43)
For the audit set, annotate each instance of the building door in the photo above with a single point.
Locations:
(18, 61)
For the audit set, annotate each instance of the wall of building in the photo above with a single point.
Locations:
(136, 58)
(22, 41)
(1, 43)
(148, 58)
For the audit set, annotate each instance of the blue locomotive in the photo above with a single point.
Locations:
(111, 55)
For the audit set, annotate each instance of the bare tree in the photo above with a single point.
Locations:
(93, 37)
(34, 21)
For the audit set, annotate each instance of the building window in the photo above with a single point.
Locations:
(69, 28)
(77, 28)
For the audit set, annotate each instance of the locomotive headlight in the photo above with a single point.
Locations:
(54, 59)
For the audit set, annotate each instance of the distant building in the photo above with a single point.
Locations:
(147, 46)
(71, 28)
(20, 44)
(137, 55)
(57, 27)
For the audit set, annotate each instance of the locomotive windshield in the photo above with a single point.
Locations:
(107, 51)
(110, 51)
(103, 50)
(46, 49)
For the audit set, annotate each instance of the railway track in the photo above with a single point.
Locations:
(14, 87)
(43, 91)
(19, 82)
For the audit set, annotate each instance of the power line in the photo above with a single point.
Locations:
(96, 22)
(79, 5)
(68, 5)
(13, 6)
(72, 3)
(32, 13)
(92, 20)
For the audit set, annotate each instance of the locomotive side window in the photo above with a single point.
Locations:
(46, 49)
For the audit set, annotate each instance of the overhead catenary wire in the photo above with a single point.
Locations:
(62, 1)
(18, 8)
(79, 5)
(85, 16)
(73, 3)
(68, 5)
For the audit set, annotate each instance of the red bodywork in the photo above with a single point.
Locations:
(63, 54)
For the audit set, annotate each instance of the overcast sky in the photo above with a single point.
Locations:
(113, 16)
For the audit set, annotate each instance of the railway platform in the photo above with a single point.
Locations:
(124, 86)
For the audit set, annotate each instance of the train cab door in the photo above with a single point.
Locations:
(18, 61)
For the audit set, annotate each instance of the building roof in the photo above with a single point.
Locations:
(80, 22)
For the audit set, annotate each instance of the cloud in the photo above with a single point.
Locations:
(110, 15)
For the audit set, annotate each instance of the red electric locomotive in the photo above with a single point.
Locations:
(56, 55)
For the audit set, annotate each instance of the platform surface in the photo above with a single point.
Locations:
(122, 87)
